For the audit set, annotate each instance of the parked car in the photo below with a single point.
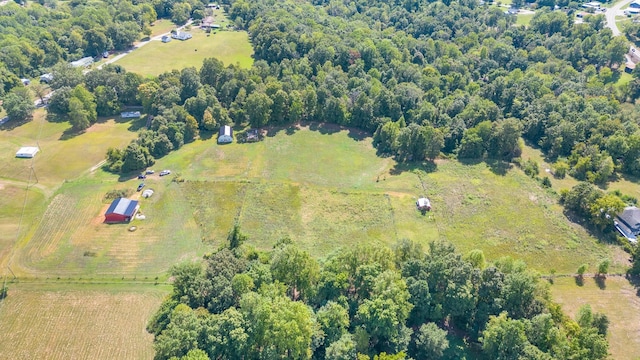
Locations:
(142, 176)
(149, 172)
(165, 172)
(140, 186)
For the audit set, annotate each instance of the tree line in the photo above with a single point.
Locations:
(366, 302)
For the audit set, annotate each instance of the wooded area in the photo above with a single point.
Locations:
(367, 302)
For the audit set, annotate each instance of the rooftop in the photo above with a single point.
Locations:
(122, 206)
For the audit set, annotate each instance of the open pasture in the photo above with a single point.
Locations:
(72, 240)
(290, 184)
(618, 299)
(230, 47)
(66, 322)
(61, 157)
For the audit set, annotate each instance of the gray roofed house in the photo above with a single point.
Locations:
(628, 223)
(84, 62)
(181, 35)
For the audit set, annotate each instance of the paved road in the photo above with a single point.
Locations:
(612, 12)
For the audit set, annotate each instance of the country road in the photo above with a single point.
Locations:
(141, 44)
(612, 12)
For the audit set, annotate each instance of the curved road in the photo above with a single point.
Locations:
(612, 12)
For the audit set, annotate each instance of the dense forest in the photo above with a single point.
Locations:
(369, 302)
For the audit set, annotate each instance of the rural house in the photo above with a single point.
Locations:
(181, 35)
(166, 39)
(84, 62)
(628, 223)
(121, 210)
(225, 135)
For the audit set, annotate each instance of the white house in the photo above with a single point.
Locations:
(27, 152)
(225, 135)
(423, 204)
(181, 35)
(166, 39)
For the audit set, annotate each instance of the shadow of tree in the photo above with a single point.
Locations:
(400, 167)
(70, 133)
(499, 167)
(12, 124)
(579, 280)
(600, 281)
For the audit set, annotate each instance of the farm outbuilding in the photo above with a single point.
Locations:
(225, 135)
(121, 210)
(423, 204)
(181, 35)
(27, 152)
(130, 114)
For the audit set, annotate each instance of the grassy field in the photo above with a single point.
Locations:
(72, 240)
(230, 47)
(618, 300)
(62, 157)
(524, 19)
(71, 322)
(326, 188)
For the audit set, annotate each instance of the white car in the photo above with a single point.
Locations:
(165, 172)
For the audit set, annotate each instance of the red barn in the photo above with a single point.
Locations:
(121, 210)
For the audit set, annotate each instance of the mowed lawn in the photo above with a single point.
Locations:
(61, 157)
(72, 240)
(156, 57)
(619, 300)
(72, 322)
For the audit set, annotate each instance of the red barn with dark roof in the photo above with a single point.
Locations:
(121, 210)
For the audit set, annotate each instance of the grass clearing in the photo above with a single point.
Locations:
(60, 157)
(619, 300)
(162, 26)
(62, 323)
(72, 240)
(524, 19)
(230, 47)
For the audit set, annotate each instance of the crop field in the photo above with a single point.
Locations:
(230, 47)
(619, 300)
(77, 323)
(72, 240)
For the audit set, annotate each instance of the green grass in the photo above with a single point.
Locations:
(62, 157)
(72, 240)
(162, 26)
(230, 47)
(524, 19)
(618, 300)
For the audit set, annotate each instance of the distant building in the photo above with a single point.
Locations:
(46, 78)
(130, 114)
(27, 152)
(632, 11)
(592, 5)
(84, 62)
(635, 5)
(181, 35)
(253, 135)
(423, 204)
(628, 223)
(121, 210)
(25, 81)
(225, 135)
(166, 39)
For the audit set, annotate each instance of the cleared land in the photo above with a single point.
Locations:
(66, 322)
(72, 240)
(62, 156)
(326, 188)
(619, 300)
(230, 47)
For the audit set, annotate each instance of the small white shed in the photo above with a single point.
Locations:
(225, 135)
(423, 204)
(27, 152)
